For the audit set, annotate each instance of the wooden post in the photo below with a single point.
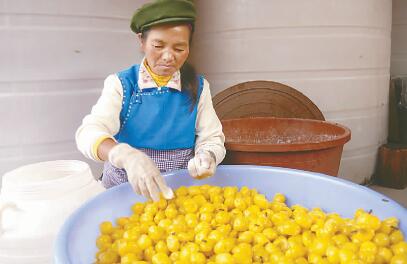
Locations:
(394, 125)
(391, 170)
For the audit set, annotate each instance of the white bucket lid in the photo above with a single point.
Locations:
(45, 179)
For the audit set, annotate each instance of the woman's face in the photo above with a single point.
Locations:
(166, 48)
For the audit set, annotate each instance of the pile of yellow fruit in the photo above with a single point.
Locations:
(211, 224)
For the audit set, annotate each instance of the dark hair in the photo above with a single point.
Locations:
(189, 81)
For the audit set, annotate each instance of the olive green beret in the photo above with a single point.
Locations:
(162, 12)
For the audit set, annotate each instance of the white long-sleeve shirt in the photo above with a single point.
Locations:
(104, 120)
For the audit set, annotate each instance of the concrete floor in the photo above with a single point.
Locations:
(399, 196)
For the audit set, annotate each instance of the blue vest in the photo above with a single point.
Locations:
(156, 118)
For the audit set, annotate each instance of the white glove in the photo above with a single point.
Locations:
(203, 165)
(142, 173)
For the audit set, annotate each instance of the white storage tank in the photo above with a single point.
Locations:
(336, 52)
(35, 200)
(399, 39)
(54, 58)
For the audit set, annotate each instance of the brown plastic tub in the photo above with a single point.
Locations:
(303, 144)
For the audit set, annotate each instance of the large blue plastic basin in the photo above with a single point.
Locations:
(76, 240)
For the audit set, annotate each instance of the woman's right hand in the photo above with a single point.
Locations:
(142, 173)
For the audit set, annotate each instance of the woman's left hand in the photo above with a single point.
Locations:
(202, 166)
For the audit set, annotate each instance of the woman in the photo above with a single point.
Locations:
(155, 116)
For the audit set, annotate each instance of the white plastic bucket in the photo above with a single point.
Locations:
(35, 200)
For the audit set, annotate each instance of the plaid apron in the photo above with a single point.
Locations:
(166, 160)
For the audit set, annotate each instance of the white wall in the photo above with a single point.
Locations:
(336, 52)
(54, 58)
(399, 39)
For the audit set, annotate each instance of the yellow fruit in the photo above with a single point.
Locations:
(173, 243)
(332, 254)
(197, 258)
(381, 239)
(162, 204)
(400, 248)
(303, 220)
(270, 233)
(161, 246)
(138, 208)
(155, 233)
(340, 239)
(242, 253)
(181, 191)
(240, 224)
(296, 251)
(194, 190)
(125, 247)
(279, 197)
(260, 254)
(399, 259)
(351, 246)
(224, 258)
(190, 206)
(185, 236)
(192, 247)
(367, 252)
(149, 254)
(174, 256)
(200, 199)
(224, 246)
(224, 229)
(159, 216)
(389, 225)
(103, 242)
(240, 203)
(201, 236)
(164, 223)
(222, 217)
(171, 212)
(301, 261)
(144, 242)
(161, 258)
(108, 257)
(289, 228)
(206, 246)
(117, 233)
(129, 259)
(151, 208)
(396, 236)
(246, 237)
(279, 218)
(210, 224)
(362, 235)
(319, 246)
(368, 221)
(146, 217)
(106, 228)
(260, 239)
(384, 255)
(261, 201)
(307, 238)
(281, 242)
(215, 235)
(346, 255)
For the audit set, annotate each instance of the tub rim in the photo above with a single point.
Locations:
(290, 147)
